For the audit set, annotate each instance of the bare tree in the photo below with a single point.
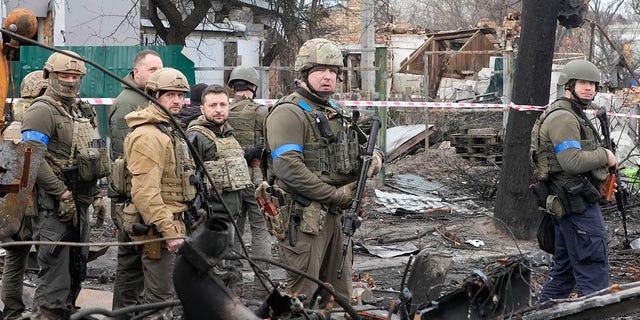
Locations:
(451, 14)
(179, 28)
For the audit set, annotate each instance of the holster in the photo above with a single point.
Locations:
(575, 195)
(152, 249)
(144, 232)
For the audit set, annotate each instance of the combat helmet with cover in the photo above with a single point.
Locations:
(69, 63)
(167, 79)
(64, 62)
(318, 52)
(33, 84)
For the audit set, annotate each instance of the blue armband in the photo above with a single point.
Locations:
(284, 148)
(568, 144)
(29, 135)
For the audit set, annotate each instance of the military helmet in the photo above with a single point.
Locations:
(32, 84)
(247, 74)
(317, 52)
(59, 62)
(579, 70)
(167, 79)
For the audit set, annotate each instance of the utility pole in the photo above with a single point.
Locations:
(515, 204)
(367, 43)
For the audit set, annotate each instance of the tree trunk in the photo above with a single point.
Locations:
(515, 204)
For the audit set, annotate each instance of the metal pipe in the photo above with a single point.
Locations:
(606, 36)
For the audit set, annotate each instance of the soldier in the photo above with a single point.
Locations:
(129, 283)
(247, 118)
(65, 183)
(212, 137)
(15, 261)
(161, 167)
(567, 157)
(314, 156)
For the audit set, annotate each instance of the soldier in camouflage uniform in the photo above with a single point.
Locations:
(212, 136)
(65, 185)
(247, 118)
(128, 285)
(314, 156)
(15, 261)
(567, 156)
(224, 160)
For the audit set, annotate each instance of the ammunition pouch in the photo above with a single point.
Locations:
(541, 192)
(45, 201)
(130, 217)
(120, 179)
(25, 233)
(93, 163)
(310, 215)
(67, 211)
(571, 197)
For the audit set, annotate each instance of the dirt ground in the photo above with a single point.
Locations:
(469, 187)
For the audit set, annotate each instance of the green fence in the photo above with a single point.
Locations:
(96, 84)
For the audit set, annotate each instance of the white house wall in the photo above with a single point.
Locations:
(249, 52)
(208, 58)
(403, 46)
(95, 23)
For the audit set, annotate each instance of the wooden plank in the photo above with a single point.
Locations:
(392, 155)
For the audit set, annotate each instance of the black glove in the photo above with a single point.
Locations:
(252, 153)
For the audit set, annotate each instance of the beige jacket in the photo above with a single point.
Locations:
(151, 158)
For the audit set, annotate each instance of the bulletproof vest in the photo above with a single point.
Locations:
(332, 150)
(229, 170)
(61, 147)
(542, 153)
(179, 189)
(242, 116)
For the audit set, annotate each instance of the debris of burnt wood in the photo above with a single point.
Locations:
(499, 290)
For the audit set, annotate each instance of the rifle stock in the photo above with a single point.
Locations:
(613, 179)
(351, 220)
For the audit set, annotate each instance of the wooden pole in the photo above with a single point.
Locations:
(426, 110)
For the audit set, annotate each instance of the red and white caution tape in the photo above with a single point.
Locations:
(400, 104)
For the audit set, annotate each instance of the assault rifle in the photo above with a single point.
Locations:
(614, 176)
(200, 209)
(352, 219)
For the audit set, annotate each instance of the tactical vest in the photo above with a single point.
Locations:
(242, 116)
(542, 155)
(229, 170)
(74, 127)
(332, 151)
(178, 189)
